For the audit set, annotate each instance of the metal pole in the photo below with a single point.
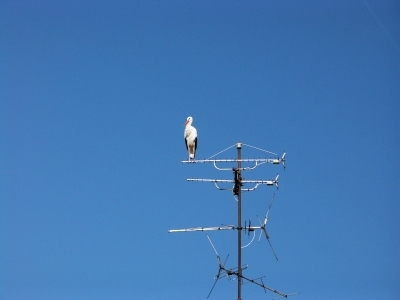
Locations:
(239, 178)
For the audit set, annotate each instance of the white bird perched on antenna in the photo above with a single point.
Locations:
(190, 138)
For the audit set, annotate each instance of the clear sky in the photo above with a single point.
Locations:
(93, 97)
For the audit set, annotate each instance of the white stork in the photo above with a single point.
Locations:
(190, 138)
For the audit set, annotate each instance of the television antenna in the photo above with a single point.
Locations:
(237, 190)
(247, 229)
(230, 272)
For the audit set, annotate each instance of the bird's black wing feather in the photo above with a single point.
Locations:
(195, 146)
(186, 145)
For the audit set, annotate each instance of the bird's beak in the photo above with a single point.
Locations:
(186, 123)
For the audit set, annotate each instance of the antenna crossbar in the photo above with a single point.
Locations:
(243, 181)
(211, 180)
(263, 286)
(224, 227)
(257, 161)
(229, 160)
(267, 182)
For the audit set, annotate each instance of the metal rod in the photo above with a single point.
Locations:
(259, 160)
(224, 227)
(260, 181)
(263, 286)
(239, 179)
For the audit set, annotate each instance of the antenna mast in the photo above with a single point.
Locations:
(237, 189)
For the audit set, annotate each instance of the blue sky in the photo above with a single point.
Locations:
(94, 95)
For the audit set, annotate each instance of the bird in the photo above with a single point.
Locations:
(190, 135)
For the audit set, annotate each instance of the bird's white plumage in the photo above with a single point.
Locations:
(190, 135)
